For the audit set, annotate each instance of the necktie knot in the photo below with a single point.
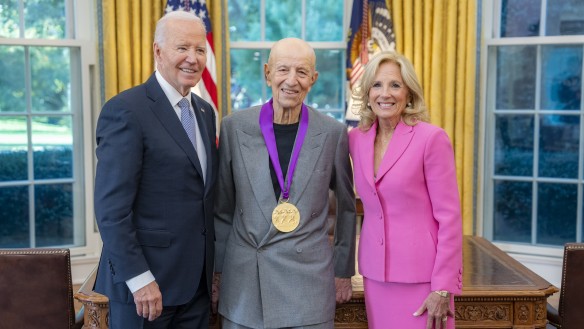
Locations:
(183, 104)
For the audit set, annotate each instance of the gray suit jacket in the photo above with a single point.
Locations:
(273, 279)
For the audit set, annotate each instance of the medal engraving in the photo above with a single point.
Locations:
(286, 217)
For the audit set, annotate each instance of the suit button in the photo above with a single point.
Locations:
(298, 250)
(381, 241)
(204, 231)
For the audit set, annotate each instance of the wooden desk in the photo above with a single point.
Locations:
(498, 292)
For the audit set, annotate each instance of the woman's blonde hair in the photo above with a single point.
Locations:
(416, 109)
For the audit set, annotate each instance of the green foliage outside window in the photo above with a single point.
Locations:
(36, 125)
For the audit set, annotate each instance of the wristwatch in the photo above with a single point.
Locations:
(443, 293)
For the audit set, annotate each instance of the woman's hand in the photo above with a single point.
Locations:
(438, 308)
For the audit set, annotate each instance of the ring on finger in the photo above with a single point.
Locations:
(444, 319)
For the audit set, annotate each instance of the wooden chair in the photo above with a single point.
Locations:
(569, 314)
(36, 290)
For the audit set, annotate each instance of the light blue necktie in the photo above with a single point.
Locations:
(188, 121)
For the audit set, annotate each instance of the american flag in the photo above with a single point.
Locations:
(207, 88)
(364, 40)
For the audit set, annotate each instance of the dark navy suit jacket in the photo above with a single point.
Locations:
(153, 209)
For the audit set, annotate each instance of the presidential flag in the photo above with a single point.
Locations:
(207, 87)
(365, 39)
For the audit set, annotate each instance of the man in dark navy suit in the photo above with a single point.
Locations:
(156, 171)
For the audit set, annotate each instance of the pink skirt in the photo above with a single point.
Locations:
(392, 305)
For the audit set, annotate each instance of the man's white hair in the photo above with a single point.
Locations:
(159, 33)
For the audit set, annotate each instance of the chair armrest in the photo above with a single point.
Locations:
(96, 309)
(553, 316)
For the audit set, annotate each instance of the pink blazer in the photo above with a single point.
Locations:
(412, 226)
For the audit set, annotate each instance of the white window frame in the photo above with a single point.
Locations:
(81, 25)
(267, 45)
(546, 261)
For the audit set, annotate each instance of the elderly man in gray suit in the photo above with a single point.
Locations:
(275, 264)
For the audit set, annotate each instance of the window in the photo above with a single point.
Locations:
(44, 90)
(534, 159)
(256, 25)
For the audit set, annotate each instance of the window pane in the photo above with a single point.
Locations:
(54, 215)
(51, 79)
(561, 77)
(52, 138)
(283, 19)
(324, 20)
(559, 146)
(326, 95)
(44, 19)
(512, 211)
(516, 72)
(565, 17)
(9, 19)
(13, 149)
(244, 20)
(514, 145)
(520, 18)
(556, 223)
(248, 85)
(14, 217)
(12, 95)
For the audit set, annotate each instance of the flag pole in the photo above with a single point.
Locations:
(365, 33)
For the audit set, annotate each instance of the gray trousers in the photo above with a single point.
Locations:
(226, 324)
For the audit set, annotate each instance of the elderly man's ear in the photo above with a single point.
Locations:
(267, 74)
(314, 78)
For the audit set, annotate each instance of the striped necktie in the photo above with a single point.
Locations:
(188, 121)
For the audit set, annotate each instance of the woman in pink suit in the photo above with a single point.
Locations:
(410, 248)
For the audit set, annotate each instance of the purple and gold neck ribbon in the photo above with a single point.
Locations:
(267, 128)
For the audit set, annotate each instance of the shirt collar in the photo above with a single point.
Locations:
(172, 94)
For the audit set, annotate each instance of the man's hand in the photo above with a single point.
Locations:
(344, 290)
(438, 311)
(148, 301)
(215, 291)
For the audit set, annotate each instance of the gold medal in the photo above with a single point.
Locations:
(286, 217)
